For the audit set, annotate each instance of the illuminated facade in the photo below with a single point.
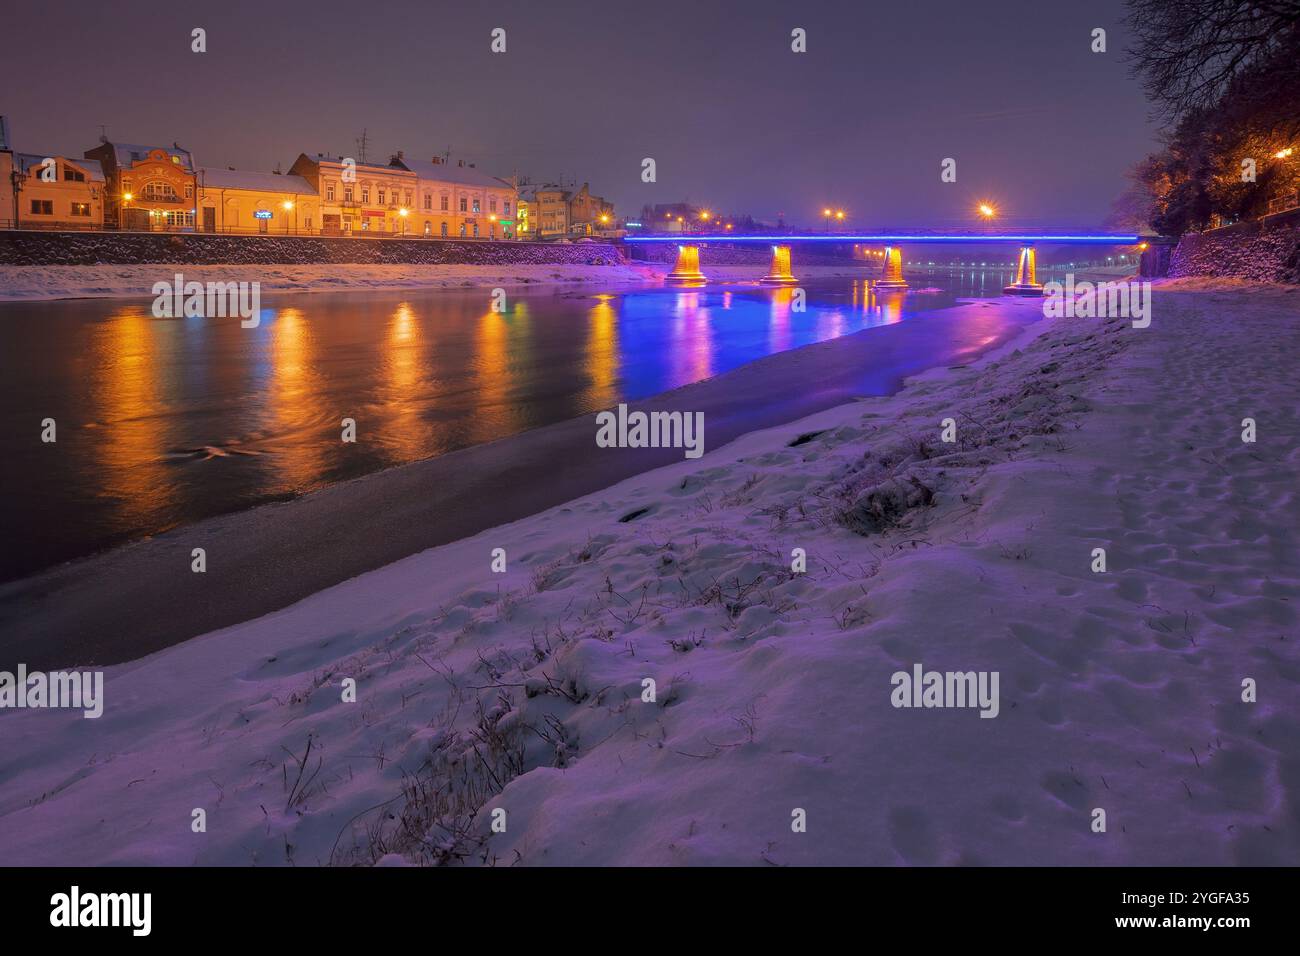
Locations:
(54, 192)
(149, 188)
(235, 201)
(358, 198)
(454, 200)
(554, 211)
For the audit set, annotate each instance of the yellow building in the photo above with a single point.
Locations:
(359, 198)
(455, 200)
(238, 201)
(148, 187)
(55, 192)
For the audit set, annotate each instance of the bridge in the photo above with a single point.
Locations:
(687, 270)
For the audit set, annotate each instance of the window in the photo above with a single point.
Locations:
(365, 194)
(347, 194)
(81, 209)
(463, 207)
(444, 229)
(408, 198)
(329, 191)
(462, 225)
(381, 197)
(428, 202)
(42, 207)
(444, 204)
(505, 207)
(306, 223)
(189, 191)
(475, 230)
(160, 192)
(492, 204)
(476, 205)
(73, 175)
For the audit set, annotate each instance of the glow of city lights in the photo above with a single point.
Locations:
(987, 211)
(1283, 153)
(287, 205)
(403, 212)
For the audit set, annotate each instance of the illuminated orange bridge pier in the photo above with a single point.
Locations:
(687, 270)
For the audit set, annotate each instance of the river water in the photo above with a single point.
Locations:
(163, 422)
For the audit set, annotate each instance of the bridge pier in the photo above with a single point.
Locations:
(779, 273)
(891, 273)
(687, 271)
(1026, 275)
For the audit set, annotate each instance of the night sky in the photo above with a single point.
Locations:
(710, 89)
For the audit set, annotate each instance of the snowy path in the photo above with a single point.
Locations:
(523, 691)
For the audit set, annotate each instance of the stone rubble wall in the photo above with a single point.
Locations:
(21, 248)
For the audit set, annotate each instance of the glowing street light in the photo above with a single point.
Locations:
(827, 214)
(1283, 153)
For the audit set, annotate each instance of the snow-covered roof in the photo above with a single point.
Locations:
(128, 153)
(246, 179)
(447, 173)
(94, 171)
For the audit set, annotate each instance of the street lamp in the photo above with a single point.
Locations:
(126, 210)
(1283, 153)
(827, 214)
(839, 215)
(403, 213)
(287, 205)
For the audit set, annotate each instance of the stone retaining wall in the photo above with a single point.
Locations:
(21, 248)
(1265, 250)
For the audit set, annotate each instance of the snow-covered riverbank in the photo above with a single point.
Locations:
(525, 691)
(26, 283)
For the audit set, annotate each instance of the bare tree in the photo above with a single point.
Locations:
(1189, 52)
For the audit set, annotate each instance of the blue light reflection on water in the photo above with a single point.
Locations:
(163, 422)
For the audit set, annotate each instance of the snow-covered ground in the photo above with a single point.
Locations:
(523, 691)
(22, 283)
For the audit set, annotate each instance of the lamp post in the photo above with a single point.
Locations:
(16, 179)
(987, 212)
(827, 214)
(288, 204)
(126, 210)
(839, 217)
(402, 214)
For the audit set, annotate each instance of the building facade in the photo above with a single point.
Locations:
(358, 198)
(238, 201)
(55, 192)
(589, 214)
(147, 187)
(460, 201)
(556, 212)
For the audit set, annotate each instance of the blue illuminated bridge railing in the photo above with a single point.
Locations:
(909, 238)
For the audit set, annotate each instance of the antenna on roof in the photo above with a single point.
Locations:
(362, 143)
(103, 133)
